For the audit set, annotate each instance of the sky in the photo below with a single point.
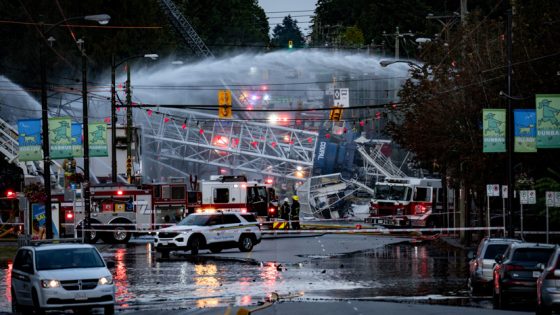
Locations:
(285, 7)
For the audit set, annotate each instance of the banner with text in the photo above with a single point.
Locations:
(60, 135)
(494, 130)
(77, 149)
(29, 140)
(98, 139)
(525, 130)
(548, 122)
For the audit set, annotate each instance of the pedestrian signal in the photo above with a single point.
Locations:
(290, 44)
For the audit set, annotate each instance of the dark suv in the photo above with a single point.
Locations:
(517, 270)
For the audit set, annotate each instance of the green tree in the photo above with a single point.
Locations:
(353, 36)
(287, 31)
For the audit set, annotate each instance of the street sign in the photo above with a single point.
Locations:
(341, 97)
(550, 199)
(557, 198)
(524, 197)
(527, 197)
(504, 191)
(493, 190)
(224, 104)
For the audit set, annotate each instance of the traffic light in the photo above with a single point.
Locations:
(335, 114)
(129, 165)
(224, 111)
(290, 44)
(224, 104)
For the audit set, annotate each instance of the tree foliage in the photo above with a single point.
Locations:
(287, 31)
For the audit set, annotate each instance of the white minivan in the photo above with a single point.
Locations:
(61, 276)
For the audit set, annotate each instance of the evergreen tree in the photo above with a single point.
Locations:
(287, 31)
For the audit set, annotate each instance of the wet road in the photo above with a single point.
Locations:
(400, 272)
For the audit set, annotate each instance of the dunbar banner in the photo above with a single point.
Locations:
(97, 139)
(494, 130)
(525, 130)
(29, 140)
(548, 120)
(60, 136)
(77, 150)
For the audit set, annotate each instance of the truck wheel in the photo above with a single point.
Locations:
(195, 244)
(120, 235)
(246, 243)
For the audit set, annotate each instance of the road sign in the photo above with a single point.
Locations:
(527, 197)
(493, 190)
(504, 191)
(550, 199)
(341, 97)
(224, 104)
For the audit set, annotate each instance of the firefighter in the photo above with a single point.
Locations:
(285, 209)
(294, 213)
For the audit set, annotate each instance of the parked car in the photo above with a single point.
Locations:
(61, 276)
(214, 231)
(548, 285)
(482, 263)
(517, 270)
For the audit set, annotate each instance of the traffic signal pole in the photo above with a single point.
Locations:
(128, 126)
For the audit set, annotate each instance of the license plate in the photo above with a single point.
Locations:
(80, 296)
(163, 243)
(536, 274)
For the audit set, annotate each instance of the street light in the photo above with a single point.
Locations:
(114, 110)
(101, 19)
(386, 63)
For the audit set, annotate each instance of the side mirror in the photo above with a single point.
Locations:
(470, 254)
(499, 259)
(540, 266)
(110, 264)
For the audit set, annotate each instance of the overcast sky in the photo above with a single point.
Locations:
(291, 7)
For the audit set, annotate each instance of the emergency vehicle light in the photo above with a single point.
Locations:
(10, 194)
(243, 210)
(69, 215)
(271, 210)
(120, 192)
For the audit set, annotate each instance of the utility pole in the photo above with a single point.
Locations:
(398, 35)
(464, 11)
(510, 126)
(85, 121)
(128, 126)
(113, 123)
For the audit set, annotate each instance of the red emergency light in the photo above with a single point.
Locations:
(10, 194)
(269, 181)
(120, 192)
(69, 215)
(271, 210)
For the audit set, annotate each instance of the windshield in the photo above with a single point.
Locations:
(392, 192)
(199, 220)
(538, 255)
(68, 258)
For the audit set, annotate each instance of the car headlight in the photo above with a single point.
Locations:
(105, 280)
(50, 283)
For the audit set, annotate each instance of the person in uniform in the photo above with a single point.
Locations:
(294, 213)
(285, 209)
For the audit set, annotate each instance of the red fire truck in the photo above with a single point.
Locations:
(407, 202)
(235, 193)
(118, 211)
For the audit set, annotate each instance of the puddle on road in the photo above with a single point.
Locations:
(402, 272)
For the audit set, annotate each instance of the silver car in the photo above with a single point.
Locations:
(481, 266)
(548, 286)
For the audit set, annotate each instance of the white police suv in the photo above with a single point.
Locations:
(213, 231)
(61, 276)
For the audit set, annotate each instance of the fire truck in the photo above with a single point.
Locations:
(235, 193)
(118, 211)
(407, 202)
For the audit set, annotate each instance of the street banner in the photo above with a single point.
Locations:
(29, 140)
(525, 130)
(548, 121)
(494, 130)
(97, 139)
(60, 135)
(77, 149)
